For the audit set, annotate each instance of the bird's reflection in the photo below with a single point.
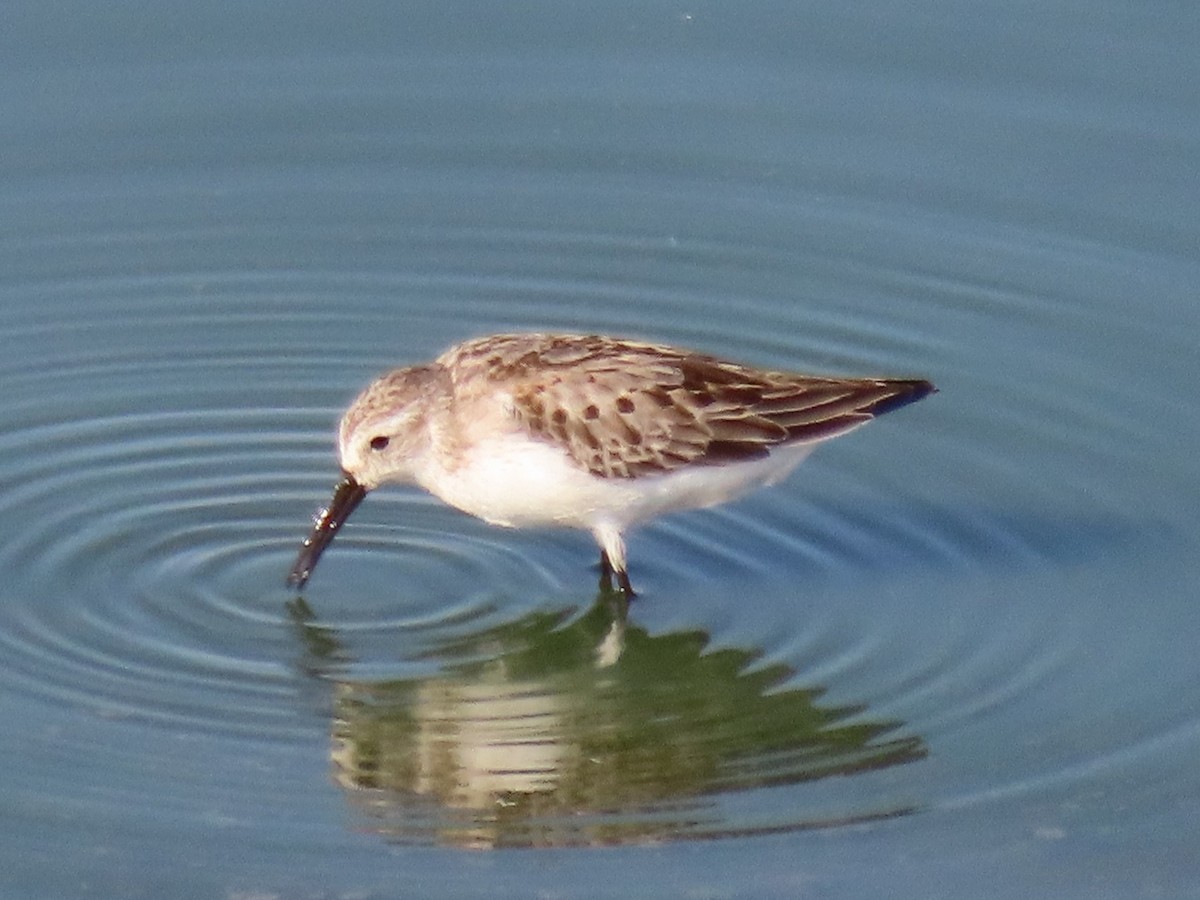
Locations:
(549, 731)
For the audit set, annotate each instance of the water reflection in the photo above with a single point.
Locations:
(552, 731)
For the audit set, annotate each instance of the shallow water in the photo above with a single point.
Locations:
(953, 655)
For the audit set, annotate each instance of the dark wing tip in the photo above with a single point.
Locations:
(901, 392)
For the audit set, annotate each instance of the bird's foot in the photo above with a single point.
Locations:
(606, 578)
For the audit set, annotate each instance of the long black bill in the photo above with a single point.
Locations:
(346, 496)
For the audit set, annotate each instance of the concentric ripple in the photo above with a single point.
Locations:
(953, 654)
(166, 454)
(154, 509)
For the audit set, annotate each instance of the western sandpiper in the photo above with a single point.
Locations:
(586, 431)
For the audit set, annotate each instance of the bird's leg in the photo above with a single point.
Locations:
(623, 582)
(612, 560)
(605, 573)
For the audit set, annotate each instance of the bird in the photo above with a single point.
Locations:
(586, 431)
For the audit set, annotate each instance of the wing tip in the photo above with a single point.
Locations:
(901, 392)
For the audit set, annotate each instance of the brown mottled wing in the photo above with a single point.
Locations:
(622, 409)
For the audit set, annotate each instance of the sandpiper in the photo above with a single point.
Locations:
(586, 431)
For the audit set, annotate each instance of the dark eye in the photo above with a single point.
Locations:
(379, 442)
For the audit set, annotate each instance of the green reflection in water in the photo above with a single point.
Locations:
(548, 731)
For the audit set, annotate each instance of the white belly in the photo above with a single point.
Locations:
(516, 482)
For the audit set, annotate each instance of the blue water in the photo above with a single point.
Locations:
(953, 655)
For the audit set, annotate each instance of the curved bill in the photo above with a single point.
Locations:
(346, 496)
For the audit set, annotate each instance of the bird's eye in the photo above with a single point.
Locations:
(379, 442)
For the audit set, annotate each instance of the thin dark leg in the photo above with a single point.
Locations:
(626, 587)
(606, 573)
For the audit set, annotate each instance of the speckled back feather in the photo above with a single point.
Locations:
(623, 409)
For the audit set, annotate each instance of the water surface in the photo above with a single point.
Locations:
(954, 654)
